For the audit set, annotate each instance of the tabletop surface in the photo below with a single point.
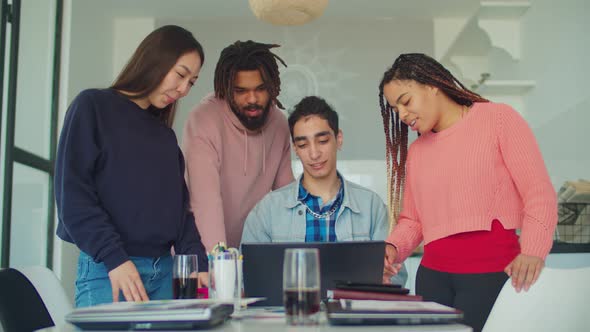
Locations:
(268, 321)
(268, 325)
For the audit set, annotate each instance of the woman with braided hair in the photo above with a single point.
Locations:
(473, 176)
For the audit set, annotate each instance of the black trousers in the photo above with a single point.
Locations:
(473, 293)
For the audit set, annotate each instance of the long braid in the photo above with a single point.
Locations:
(396, 135)
(248, 55)
(386, 115)
(425, 70)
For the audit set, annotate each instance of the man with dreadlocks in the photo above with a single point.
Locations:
(474, 175)
(236, 142)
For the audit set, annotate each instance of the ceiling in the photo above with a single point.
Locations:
(239, 9)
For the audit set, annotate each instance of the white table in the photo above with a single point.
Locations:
(279, 325)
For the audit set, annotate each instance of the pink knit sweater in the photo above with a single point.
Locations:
(230, 168)
(486, 166)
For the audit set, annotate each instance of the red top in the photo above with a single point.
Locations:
(473, 252)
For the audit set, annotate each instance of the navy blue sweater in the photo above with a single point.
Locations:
(119, 183)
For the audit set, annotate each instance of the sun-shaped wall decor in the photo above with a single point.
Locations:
(312, 71)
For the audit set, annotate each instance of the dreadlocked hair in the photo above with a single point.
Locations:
(424, 70)
(248, 55)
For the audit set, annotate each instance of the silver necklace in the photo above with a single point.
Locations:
(328, 213)
(323, 215)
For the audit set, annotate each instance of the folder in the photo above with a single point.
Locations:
(364, 295)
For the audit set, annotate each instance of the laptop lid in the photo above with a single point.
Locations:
(358, 261)
(362, 312)
(151, 315)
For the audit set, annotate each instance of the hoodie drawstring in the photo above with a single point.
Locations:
(263, 153)
(245, 151)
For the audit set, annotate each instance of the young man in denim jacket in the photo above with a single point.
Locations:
(320, 206)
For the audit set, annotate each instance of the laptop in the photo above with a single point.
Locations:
(339, 261)
(367, 312)
(152, 315)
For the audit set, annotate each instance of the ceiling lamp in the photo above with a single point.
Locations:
(288, 12)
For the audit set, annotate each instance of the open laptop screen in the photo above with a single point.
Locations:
(351, 261)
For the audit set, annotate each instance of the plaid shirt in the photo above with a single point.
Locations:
(315, 228)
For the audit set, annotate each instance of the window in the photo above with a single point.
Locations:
(30, 53)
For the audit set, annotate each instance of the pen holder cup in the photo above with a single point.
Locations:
(225, 277)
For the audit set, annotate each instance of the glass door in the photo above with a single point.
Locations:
(30, 135)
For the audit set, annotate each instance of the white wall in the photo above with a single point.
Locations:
(556, 44)
(91, 49)
(127, 34)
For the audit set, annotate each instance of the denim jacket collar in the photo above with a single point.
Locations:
(347, 202)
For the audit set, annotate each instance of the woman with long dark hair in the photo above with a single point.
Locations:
(119, 183)
(472, 178)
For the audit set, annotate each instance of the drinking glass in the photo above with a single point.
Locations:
(184, 277)
(301, 286)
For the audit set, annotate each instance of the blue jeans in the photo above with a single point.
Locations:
(93, 285)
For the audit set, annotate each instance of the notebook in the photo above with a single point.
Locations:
(151, 315)
(363, 295)
(349, 261)
(361, 312)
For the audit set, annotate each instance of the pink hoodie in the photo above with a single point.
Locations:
(230, 168)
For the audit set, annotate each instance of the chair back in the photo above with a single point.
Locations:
(556, 302)
(51, 291)
(21, 307)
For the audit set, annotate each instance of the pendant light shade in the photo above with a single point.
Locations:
(288, 12)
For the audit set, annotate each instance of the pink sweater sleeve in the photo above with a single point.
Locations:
(525, 163)
(285, 173)
(407, 234)
(202, 172)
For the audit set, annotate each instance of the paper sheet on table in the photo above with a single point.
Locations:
(393, 305)
(270, 312)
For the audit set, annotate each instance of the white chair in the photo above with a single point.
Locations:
(558, 301)
(51, 291)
